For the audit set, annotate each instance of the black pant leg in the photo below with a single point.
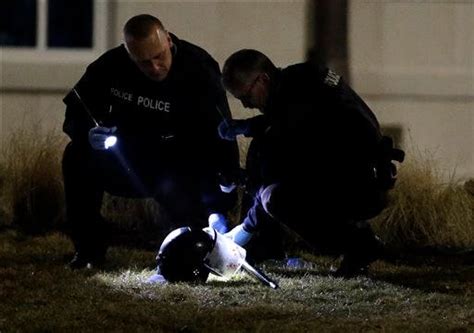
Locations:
(178, 193)
(83, 199)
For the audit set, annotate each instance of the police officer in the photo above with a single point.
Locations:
(162, 99)
(324, 166)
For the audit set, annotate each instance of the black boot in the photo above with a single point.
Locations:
(90, 246)
(85, 260)
(363, 249)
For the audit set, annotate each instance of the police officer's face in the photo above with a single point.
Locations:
(152, 54)
(252, 94)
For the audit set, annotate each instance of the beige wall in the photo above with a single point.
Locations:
(414, 64)
(277, 28)
(411, 61)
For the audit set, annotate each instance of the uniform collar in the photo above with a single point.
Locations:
(176, 41)
(274, 91)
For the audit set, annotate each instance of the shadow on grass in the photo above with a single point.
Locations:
(427, 274)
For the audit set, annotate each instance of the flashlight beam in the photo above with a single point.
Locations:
(259, 275)
(85, 106)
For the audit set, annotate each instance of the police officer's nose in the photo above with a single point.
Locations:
(156, 66)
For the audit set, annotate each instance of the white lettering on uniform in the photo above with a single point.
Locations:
(154, 104)
(332, 79)
(124, 95)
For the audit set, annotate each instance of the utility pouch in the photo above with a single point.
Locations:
(385, 170)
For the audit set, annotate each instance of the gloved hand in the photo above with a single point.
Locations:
(228, 188)
(229, 129)
(239, 235)
(98, 135)
(156, 278)
(229, 181)
(218, 222)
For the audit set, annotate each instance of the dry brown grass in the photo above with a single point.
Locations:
(427, 209)
(31, 186)
(32, 191)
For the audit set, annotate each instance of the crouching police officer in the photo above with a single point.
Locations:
(160, 99)
(324, 166)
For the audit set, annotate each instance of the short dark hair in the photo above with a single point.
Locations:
(240, 66)
(140, 26)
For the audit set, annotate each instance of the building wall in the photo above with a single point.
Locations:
(413, 62)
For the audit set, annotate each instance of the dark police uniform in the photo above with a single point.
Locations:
(168, 147)
(323, 147)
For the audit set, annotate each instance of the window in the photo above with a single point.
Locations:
(44, 44)
(47, 30)
(46, 23)
(70, 26)
(18, 22)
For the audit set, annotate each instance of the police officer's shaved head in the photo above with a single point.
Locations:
(243, 65)
(141, 26)
(149, 46)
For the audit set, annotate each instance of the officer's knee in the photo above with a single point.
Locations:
(269, 197)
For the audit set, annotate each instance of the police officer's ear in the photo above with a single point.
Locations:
(168, 38)
(264, 77)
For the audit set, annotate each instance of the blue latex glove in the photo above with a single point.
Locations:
(297, 263)
(156, 278)
(228, 188)
(228, 182)
(239, 235)
(229, 129)
(98, 137)
(218, 222)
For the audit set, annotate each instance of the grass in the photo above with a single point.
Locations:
(31, 193)
(427, 209)
(37, 293)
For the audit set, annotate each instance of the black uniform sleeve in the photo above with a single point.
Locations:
(92, 95)
(257, 126)
(360, 129)
(222, 155)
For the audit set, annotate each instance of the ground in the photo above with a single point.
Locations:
(37, 293)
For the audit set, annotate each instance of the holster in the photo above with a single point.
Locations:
(385, 169)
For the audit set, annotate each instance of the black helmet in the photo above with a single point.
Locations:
(182, 254)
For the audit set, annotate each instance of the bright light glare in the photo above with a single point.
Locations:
(110, 141)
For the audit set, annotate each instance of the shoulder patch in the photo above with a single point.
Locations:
(332, 79)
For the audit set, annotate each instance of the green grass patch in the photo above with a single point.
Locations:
(37, 293)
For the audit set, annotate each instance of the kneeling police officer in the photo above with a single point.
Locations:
(323, 164)
(160, 99)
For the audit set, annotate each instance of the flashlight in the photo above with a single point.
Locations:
(259, 275)
(227, 257)
(110, 141)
